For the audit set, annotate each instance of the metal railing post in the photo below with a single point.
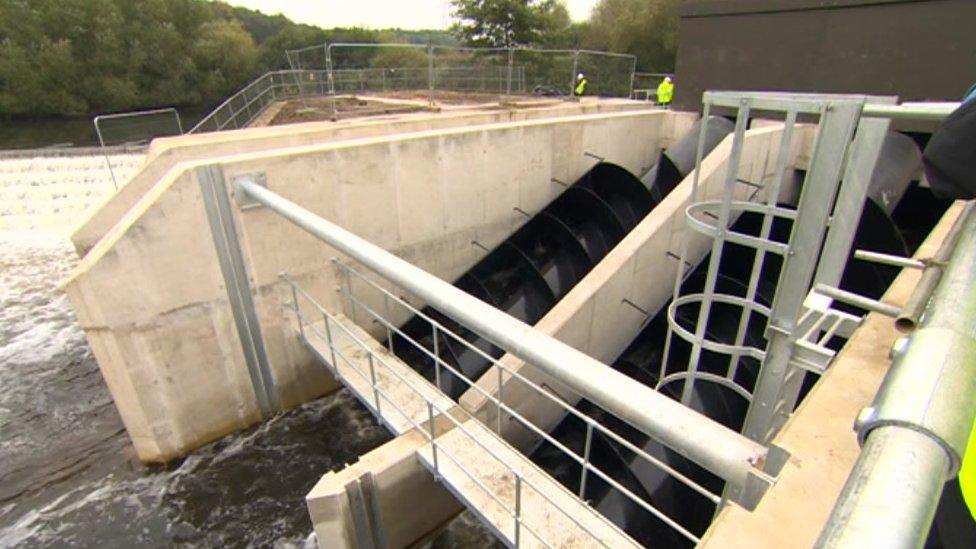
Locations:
(572, 77)
(433, 439)
(372, 380)
(518, 509)
(586, 458)
(328, 339)
(430, 74)
(298, 312)
(331, 77)
(511, 63)
(437, 358)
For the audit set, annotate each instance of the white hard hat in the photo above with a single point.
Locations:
(579, 76)
(667, 78)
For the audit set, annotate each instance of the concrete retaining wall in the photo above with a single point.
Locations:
(164, 153)
(151, 298)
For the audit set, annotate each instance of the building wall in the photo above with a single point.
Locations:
(916, 49)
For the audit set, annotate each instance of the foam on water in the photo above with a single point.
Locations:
(68, 475)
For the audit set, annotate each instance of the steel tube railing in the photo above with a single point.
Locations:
(915, 433)
(893, 505)
(912, 311)
(713, 446)
(430, 432)
(591, 423)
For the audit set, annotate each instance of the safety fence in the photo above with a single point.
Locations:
(134, 129)
(499, 70)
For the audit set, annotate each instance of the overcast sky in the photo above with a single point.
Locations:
(406, 14)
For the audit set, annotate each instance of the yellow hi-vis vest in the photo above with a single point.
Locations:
(581, 87)
(665, 91)
(967, 474)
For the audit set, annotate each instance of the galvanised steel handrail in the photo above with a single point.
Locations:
(915, 433)
(724, 452)
(281, 84)
(434, 411)
(592, 425)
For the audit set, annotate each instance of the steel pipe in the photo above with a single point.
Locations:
(930, 112)
(923, 413)
(711, 445)
(907, 321)
(892, 499)
(857, 300)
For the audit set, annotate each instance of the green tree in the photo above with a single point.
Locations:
(503, 23)
(225, 55)
(395, 58)
(645, 28)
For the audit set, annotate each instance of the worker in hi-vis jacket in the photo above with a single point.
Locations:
(665, 92)
(580, 85)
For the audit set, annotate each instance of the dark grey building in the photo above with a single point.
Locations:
(916, 49)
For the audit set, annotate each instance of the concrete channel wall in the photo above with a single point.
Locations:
(164, 153)
(150, 293)
(592, 317)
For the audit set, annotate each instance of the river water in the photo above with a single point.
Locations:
(68, 475)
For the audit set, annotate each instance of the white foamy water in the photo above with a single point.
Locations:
(53, 194)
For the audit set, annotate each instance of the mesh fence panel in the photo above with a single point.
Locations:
(472, 69)
(607, 74)
(137, 127)
(545, 72)
(310, 58)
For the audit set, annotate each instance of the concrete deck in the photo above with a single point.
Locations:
(402, 404)
(551, 516)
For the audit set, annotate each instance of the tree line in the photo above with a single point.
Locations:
(79, 57)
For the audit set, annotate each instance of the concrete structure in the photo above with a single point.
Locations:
(164, 153)
(593, 318)
(150, 296)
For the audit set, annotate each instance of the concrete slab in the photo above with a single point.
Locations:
(551, 516)
(403, 392)
(405, 502)
(165, 153)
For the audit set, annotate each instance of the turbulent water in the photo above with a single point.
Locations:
(68, 475)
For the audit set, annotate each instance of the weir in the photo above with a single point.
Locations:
(641, 308)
